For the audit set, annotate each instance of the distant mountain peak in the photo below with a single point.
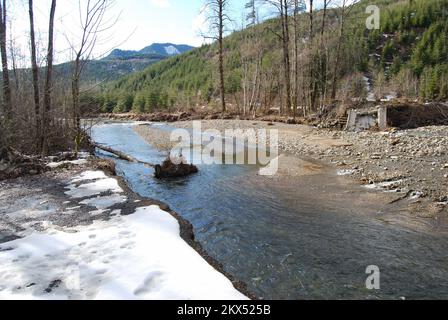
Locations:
(160, 49)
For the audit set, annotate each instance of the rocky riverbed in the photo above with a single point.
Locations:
(411, 163)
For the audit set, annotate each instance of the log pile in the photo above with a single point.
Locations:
(13, 164)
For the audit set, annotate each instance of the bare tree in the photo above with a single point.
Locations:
(251, 53)
(283, 8)
(344, 11)
(7, 101)
(35, 71)
(251, 16)
(93, 22)
(299, 6)
(312, 82)
(284, 16)
(311, 20)
(217, 18)
(12, 54)
(48, 80)
(323, 53)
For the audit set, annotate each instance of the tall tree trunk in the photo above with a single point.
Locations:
(7, 101)
(286, 57)
(313, 88)
(311, 20)
(338, 53)
(48, 79)
(255, 83)
(221, 55)
(323, 53)
(35, 71)
(244, 84)
(76, 116)
(12, 54)
(296, 57)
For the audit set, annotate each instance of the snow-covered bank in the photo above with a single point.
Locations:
(137, 256)
(140, 256)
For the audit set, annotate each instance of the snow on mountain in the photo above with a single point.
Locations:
(172, 51)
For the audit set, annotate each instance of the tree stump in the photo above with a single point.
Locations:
(170, 170)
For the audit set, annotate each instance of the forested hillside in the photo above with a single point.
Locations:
(333, 56)
(111, 68)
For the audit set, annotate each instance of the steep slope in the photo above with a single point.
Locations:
(407, 55)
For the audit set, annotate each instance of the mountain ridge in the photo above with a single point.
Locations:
(163, 49)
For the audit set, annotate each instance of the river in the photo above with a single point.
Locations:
(307, 237)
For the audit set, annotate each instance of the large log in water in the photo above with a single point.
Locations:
(167, 169)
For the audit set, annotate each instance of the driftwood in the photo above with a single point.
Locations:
(14, 164)
(166, 170)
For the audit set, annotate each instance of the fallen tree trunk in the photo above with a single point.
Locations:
(121, 155)
(167, 169)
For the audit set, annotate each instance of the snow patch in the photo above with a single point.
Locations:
(391, 96)
(140, 256)
(100, 184)
(386, 185)
(105, 202)
(346, 172)
(171, 50)
(55, 165)
(32, 207)
(89, 175)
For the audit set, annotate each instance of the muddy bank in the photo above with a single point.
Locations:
(171, 117)
(402, 115)
(167, 116)
(44, 202)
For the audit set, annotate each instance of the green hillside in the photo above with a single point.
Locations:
(407, 56)
(110, 69)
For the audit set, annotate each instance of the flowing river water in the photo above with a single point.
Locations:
(305, 237)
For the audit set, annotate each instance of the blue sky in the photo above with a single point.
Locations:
(141, 23)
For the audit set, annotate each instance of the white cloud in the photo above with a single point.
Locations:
(319, 4)
(161, 3)
(200, 22)
(200, 27)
